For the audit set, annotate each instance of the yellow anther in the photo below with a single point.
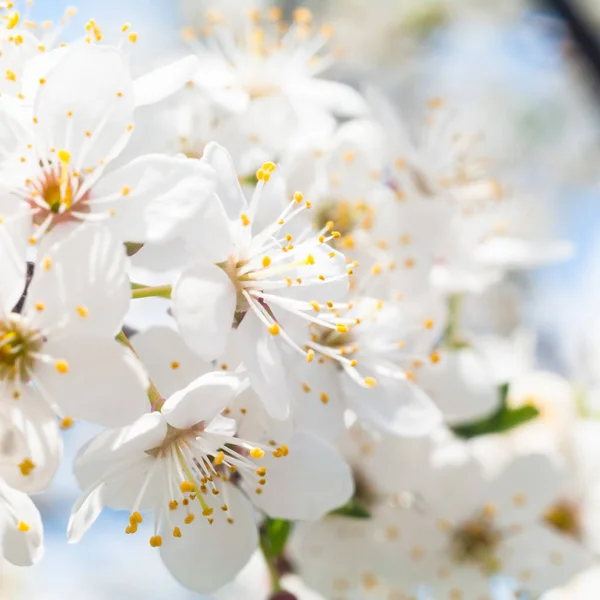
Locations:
(258, 491)
(219, 458)
(13, 20)
(310, 355)
(191, 517)
(353, 363)
(310, 259)
(260, 175)
(370, 381)
(269, 167)
(67, 423)
(82, 311)
(125, 27)
(256, 453)
(376, 269)
(244, 219)
(40, 306)
(24, 527)
(64, 156)
(135, 517)
(26, 467)
(341, 328)
(224, 508)
(206, 512)
(316, 306)
(324, 398)
(321, 239)
(176, 532)
(261, 472)
(125, 190)
(428, 324)
(62, 366)
(10, 75)
(284, 450)
(308, 204)
(266, 261)
(298, 197)
(133, 36)
(156, 541)
(335, 234)
(187, 486)
(434, 357)
(306, 388)
(173, 505)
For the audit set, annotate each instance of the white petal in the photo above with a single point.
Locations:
(88, 90)
(309, 482)
(394, 406)
(207, 557)
(84, 513)
(152, 196)
(87, 284)
(161, 83)
(29, 430)
(262, 359)
(168, 360)
(104, 382)
(319, 401)
(204, 302)
(339, 98)
(462, 386)
(228, 188)
(208, 235)
(202, 400)
(21, 548)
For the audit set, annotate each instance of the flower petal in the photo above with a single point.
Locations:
(152, 196)
(309, 482)
(228, 188)
(161, 83)
(169, 361)
(86, 285)
(21, 548)
(204, 302)
(336, 97)
(262, 359)
(99, 380)
(89, 90)
(202, 400)
(205, 571)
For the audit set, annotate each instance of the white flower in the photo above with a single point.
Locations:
(255, 60)
(455, 542)
(247, 271)
(21, 533)
(61, 346)
(183, 463)
(369, 368)
(67, 168)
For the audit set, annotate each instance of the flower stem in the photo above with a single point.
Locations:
(159, 291)
(270, 560)
(154, 396)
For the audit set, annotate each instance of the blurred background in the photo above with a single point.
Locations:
(514, 64)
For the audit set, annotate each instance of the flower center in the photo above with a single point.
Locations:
(17, 350)
(565, 516)
(347, 216)
(475, 541)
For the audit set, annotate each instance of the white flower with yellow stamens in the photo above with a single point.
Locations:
(68, 170)
(257, 60)
(21, 532)
(182, 463)
(60, 347)
(372, 368)
(247, 272)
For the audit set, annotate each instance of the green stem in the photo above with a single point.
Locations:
(452, 337)
(271, 563)
(154, 396)
(159, 291)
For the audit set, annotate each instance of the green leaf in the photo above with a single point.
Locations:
(277, 532)
(354, 509)
(504, 419)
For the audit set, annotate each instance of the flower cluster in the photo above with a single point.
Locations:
(270, 318)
